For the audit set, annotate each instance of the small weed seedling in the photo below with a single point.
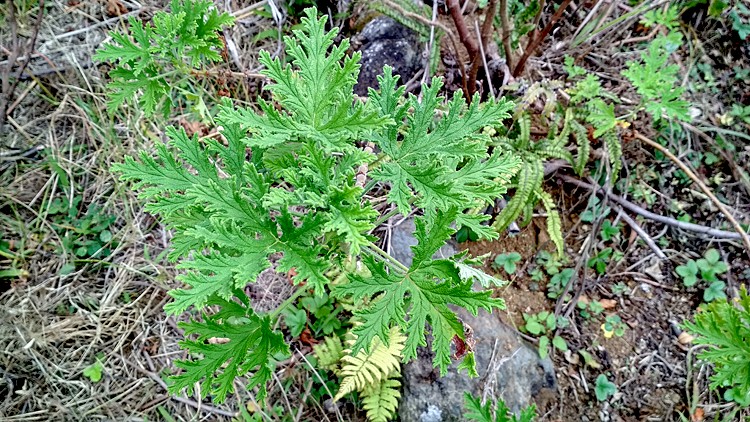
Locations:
(604, 388)
(613, 326)
(706, 269)
(495, 412)
(544, 325)
(507, 261)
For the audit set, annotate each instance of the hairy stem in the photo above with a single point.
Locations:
(376, 251)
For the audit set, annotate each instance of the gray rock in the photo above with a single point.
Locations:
(383, 41)
(508, 367)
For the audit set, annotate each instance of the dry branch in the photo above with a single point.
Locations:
(696, 228)
(702, 186)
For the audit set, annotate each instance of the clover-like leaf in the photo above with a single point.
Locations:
(688, 272)
(604, 388)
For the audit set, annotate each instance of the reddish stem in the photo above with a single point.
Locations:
(539, 38)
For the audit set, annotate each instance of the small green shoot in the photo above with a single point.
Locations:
(604, 388)
(507, 261)
(613, 325)
(709, 268)
(94, 371)
(495, 412)
(542, 324)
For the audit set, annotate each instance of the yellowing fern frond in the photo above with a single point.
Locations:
(554, 224)
(369, 368)
(329, 353)
(381, 400)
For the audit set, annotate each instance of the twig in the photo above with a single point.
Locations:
(98, 24)
(482, 40)
(696, 228)
(538, 39)
(484, 62)
(463, 32)
(704, 188)
(738, 173)
(642, 233)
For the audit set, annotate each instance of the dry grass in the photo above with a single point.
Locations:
(59, 143)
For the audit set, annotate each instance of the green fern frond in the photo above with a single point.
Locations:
(523, 140)
(554, 224)
(381, 400)
(561, 138)
(329, 353)
(584, 146)
(369, 368)
(529, 177)
(547, 150)
(614, 152)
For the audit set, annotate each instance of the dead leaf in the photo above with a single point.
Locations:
(685, 338)
(608, 303)
(698, 415)
(655, 271)
(307, 338)
(116, 8)
(572, 358)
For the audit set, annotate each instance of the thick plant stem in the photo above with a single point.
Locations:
(506, 32)
(539, 38)
(472, 47)
(702, 186)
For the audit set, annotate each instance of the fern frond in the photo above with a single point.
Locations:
(381, 400)
(554, 225)
(529, 177)
(523, 140)
(614, 152)
(329, 353)
(367, 369)
(584, 146)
